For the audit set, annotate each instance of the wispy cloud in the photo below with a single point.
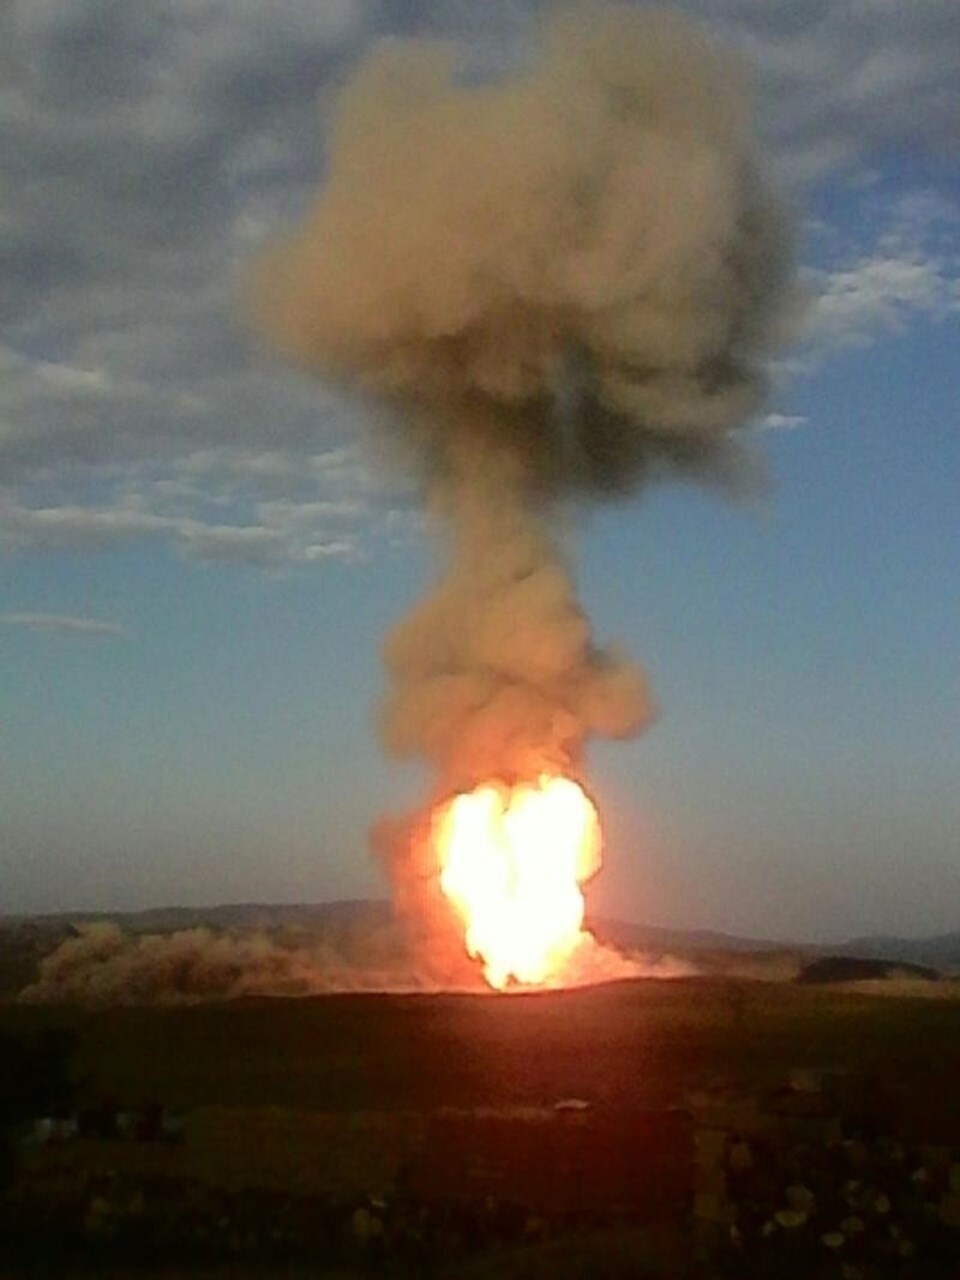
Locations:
(909, 268)
(285, 534)
(64, 623)
(878, 295)
(145, 157)
(782, 421)
(843, 81)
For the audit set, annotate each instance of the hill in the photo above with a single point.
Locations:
(939, 952)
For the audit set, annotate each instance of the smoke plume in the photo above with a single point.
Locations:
(105, 965)
(561, 285)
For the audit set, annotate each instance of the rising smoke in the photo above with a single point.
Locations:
(104, 964)
(561, 285)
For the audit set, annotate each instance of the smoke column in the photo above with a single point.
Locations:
(561, 285)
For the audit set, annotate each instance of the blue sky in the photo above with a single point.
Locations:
(202, 551)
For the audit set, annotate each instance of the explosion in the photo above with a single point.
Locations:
(512, 860)
(557, 286)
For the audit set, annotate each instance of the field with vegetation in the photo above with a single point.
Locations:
(274, 1088)
(608, 1044)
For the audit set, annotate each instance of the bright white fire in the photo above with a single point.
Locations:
(512, 860)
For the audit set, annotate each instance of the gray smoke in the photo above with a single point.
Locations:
(562, 284)
(495, 674)
(579, 266)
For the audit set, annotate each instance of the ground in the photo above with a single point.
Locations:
(249, 1073)
(610, 1044)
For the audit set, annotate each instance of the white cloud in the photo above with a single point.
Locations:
(843, 81)
(63, 623)
(141, 143)
(911, 269)
(783, 421)
(285, 533)
(878, 295)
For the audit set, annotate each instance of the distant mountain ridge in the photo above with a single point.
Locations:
(942, 951)
(236, 915)
(644, 937)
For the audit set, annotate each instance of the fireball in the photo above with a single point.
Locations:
(512, 860)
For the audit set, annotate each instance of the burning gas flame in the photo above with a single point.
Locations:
(512, 860)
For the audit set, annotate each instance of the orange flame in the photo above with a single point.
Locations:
(512, 860)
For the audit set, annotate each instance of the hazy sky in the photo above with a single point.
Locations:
(201, 553)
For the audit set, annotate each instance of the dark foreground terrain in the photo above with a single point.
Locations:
(705, 1128)
(611, 1044)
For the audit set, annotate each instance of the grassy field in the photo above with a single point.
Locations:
(320, 1091)
(616, 1044)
